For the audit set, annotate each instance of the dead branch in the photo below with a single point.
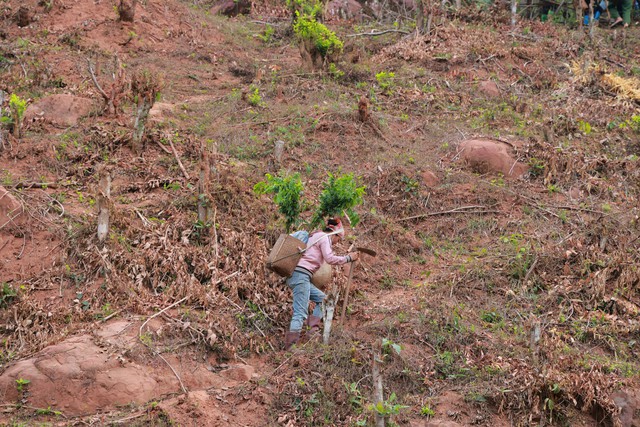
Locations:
(159, 313)
(165, 149)
(174, 372)
(461, 210)
(95, 82)
(378, 33)
(175, 154)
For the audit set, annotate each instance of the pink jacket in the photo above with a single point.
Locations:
(321, 251)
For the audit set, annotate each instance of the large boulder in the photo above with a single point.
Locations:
(61, 110)
(491, 156)
(344, 9)
(90, 373)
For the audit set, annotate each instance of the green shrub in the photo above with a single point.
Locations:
(325, 40)
(17, 107)
(287, 191)
(340, 194)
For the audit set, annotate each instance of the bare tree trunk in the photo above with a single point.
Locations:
(204, 201)
(514, 12)
(591, 20)
(1, 109)
(419, 17)
(141, 119)
(104, 193)
(127, 10)
(378, 392)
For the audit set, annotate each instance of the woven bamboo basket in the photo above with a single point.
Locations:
(322, 277)
(285, 255)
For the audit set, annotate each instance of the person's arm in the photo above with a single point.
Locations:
(330, 257)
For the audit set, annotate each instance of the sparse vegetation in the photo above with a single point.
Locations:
(508, 292)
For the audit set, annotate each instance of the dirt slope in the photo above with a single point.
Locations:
(501, 167)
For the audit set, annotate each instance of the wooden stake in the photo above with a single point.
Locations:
(378, 392)
(103, 197)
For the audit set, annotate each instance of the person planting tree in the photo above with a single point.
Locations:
(319, 250)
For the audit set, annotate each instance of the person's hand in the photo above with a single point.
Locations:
(354, 255)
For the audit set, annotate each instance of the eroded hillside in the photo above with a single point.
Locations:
(501, 173)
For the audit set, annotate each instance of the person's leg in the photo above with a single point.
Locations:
(317, 296)
(613, 11)
(300, 285)
(625, 11)
(315, 320)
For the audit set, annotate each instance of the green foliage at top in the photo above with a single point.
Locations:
(339, 194)
(17, 106)
(287, 191)
(312, 8)
(325, 40)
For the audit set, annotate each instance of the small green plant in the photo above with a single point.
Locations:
(287, 191)
(536, 166)
(47, 411)
(17, 106)
(335, 72)
(411, 185)
(552, 188)
(387, 407)
(200, 229)
(355, 396)
(426, 411)
(388, 346)
(7, 294)
(521, 256)
(490, 316)
(386, 81)
(267, 34)
(21, 384)
(254, 97)
(585, 127)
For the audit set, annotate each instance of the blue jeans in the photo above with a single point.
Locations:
(303, 292)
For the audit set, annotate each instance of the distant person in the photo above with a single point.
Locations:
(319, 250)
(620, 12)
(598, 8)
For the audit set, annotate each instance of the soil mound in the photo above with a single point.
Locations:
(60, 110)
(87, 374)
(491, 156)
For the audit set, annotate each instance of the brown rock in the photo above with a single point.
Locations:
(23, 16)
(10, 207)
(489, 88)
(239, 372)
(232, 8)
(629, 408)
(430, 179)
(344, 9)
(60, 110)
(491, 156)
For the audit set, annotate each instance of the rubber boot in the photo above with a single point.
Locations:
(314, 323)
(291, 338)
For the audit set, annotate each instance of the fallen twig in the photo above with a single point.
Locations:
(165, 149)
(175, 153)
(529, 271)
(159, 313)
(184, 389)
(378, 33)
(462, 210)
